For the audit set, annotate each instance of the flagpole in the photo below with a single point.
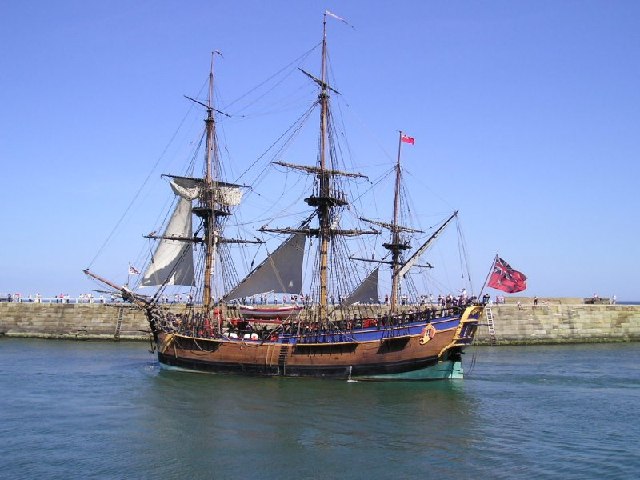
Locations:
(486, 280)
(131, 271)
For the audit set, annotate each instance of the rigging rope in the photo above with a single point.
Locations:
(137, 194)
(297, 60)
(298, 123)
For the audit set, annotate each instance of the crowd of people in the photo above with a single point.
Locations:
(262, 299)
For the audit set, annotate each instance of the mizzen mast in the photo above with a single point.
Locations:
(396, 246)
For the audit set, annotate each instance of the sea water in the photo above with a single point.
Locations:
(107, 410)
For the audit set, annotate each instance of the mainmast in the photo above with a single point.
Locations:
(323, 210)
(323, 202)
(326, 198)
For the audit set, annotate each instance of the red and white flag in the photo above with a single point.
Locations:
(408, 139)
(133, 270)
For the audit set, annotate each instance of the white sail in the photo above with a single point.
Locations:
(367, 291)
(172, 262)
(190, 192)
(280, 272)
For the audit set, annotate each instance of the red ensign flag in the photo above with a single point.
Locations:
(408, 139)
(505, 278)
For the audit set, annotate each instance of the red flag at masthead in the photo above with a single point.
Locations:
(408, 139)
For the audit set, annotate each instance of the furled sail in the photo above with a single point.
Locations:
(228, 194)
(280, 272)
(172, 262)
(367, 291)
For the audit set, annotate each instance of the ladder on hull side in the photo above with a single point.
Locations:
(490, 325)
(116, 335)
(277, 352)
(282, 359)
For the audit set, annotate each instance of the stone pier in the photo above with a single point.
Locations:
(550, 321)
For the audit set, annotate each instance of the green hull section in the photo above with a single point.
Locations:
(448, 370)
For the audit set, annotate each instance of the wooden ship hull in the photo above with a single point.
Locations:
(413, 351)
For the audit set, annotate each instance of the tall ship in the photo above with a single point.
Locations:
(240, 327)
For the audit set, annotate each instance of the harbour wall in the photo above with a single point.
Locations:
(562, 323)
(98, 321)
(516, 322)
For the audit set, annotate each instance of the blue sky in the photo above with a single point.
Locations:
(526, 117)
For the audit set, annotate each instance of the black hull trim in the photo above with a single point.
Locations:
(316, 371)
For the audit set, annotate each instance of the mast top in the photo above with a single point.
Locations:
(210, 99)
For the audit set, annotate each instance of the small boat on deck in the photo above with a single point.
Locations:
(269, 312)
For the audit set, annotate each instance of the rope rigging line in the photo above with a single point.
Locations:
(298, 123)
(462, 246)
(282, 213)
(297, 60)
(138, 193)
(428, 188)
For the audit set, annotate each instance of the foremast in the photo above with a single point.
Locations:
(207, 197)
(212, 205)
(209, 213)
